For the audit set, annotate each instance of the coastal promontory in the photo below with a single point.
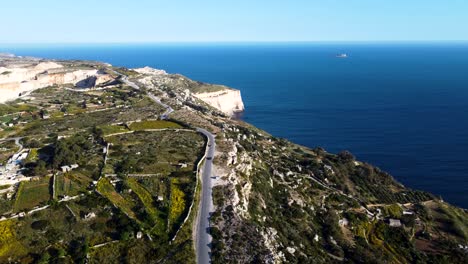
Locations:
(105, 164)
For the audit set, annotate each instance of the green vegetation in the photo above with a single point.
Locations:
(125, 71)
(308, 204)
(157, 152)
(82, 149)
(9, 244)
(394, 210)
(158, 218)
(71, 184)
(299, 196)
(145, 197)
(178, 204)
(3, 187)
(181, 83)
(63, 232)
(112, 129)
(208, 88)
(103, 108)
(33, 193)
(7, 149)
(71, 150)
(153, 124)
(33, 155)
(11, 108)
(105, 188)
(446, 219)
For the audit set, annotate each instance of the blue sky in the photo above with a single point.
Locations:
(90, 21)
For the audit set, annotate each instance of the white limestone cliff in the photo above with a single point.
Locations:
(22, 80)
(228, 101)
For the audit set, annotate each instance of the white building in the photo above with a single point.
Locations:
(68, 168)
(343, 222)
(394, 222)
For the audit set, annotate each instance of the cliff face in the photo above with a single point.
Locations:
(225, 99)
(275, 201)
(21, 79)
(228, 101)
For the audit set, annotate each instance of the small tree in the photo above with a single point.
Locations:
(40, 169)
(45, 258)
(61, 253)
(346, 156)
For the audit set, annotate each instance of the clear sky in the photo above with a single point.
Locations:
(89, 21)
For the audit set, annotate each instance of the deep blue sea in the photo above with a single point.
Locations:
(402, 107)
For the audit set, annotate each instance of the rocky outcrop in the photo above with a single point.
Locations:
(151, 71)
(228, 101)
(17, 81)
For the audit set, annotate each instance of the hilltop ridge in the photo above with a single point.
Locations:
(19, 76)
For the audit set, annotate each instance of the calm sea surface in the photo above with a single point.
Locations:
(402, 107)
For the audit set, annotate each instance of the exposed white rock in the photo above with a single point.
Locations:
(270, 236)
(232, 160)
(228, 101)
(241, 201)
(43, 66)
(151, 71)
(291, 250)
(22, 80)
(279, 174)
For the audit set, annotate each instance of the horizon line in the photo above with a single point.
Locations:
(238, 42)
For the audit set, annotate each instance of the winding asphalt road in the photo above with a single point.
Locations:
(169, 109)
(203, 236)
(17, 142)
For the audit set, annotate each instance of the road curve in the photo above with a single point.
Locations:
(17, 142)
(169, 109)
(203, 236)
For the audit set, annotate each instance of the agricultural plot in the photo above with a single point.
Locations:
(159, 153)
(153, 124)
(149, 191)
(69, 124)
(112, 129)
(139, 204)
(12, 108)
(9, 244)
(155, 209)
(65, 100)
(81, 149)
(32, 193)
(160, 218)
(71, 184)
(139, 251)
(157, 186)
(160, 168)
(178, 204)
(65, 230)
(106, 188)
(70, 111)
